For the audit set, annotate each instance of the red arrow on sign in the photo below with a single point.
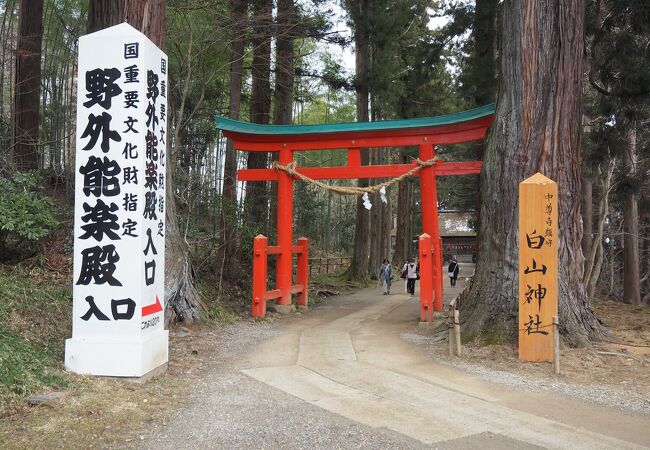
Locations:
(152, 309)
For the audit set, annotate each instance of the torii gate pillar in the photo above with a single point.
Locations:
(429, 198)
(285, 230)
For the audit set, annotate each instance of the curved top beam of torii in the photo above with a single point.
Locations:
(455, 128)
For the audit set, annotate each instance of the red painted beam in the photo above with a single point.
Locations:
(458, 168)
(270, 295)
(345, 172)
(273, 250)
(297, 288)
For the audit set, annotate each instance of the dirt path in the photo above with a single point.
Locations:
(343, 376)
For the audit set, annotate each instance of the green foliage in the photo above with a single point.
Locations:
(618, 35)
(216, 312)
(25, 215)
(34, 322)
(25, 366)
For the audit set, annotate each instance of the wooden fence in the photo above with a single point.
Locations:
(454, 319)
(331, 264)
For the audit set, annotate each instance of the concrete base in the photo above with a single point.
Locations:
(302, 308)
(146, 377)
(281, 309)
(133, 358)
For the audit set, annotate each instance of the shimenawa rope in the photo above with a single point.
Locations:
(355, 190)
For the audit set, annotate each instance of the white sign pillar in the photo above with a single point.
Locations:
(119, 228)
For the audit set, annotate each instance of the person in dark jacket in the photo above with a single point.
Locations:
(453, 270)
(411, 273)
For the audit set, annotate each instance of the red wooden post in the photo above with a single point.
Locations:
(260, 244)
(430, 226)
(426, 278)
(438, 302)
(303, 270)
(285, 230)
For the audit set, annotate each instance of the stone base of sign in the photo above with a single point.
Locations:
(302, 308)
(117, 358)
(280, 309)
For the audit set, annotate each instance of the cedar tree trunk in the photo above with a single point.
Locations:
(631, 276)
(260, 106)
(359, 268)
(27, 93)
(229, 192)
(284, 78)
(536, 128)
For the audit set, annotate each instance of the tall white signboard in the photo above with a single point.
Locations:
(119, 246)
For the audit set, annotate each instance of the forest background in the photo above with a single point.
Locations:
(280, 63)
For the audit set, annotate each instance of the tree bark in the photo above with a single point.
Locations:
(631, 276)
(587, 214)
(536, 128)
(256, 203)
(359, 268)
(229, 191)
(27, 91)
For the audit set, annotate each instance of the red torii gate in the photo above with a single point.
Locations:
(425, 133)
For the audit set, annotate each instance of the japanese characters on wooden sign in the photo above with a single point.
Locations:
(119, 246)
(538, 239)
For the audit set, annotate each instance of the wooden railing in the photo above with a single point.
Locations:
(261, 252)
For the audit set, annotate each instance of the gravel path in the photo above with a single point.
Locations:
(231, 410)
(323, 379)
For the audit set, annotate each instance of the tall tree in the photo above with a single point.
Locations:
(631, 262)
(260, 106)
(359, 13)
(27, 92)
(619, 73)
(229, 192)
(148, 16)
(536, 128)
(284, 63)
(285, 75)
(480, 77)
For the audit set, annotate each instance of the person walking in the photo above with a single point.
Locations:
(453, 270)
(410, 272)
(386, 276)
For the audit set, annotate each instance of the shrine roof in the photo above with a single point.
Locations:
(235, 126)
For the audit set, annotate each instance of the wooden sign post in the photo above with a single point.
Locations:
(538, 239)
